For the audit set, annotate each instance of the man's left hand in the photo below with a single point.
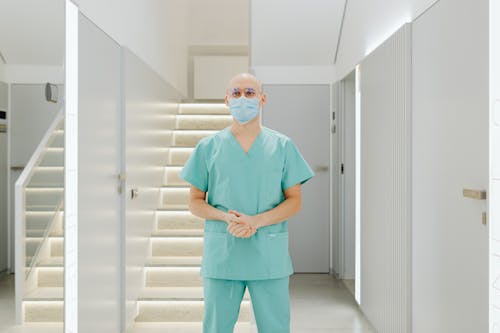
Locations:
(251, 220)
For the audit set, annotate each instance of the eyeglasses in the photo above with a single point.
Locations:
(248, 92)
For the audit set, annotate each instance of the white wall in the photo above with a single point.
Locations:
(385, 185)
(218, 22)
(2, 71)
(155, 30)
(450, 153)
(33, 74)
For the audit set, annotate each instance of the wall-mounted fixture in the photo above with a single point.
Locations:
(51, 92)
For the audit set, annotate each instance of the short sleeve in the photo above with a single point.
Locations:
(195, 169)
(296, 169)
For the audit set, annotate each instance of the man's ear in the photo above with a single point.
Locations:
(264, 98)
(226, 100)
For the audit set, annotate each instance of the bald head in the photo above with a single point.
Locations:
(245, 79)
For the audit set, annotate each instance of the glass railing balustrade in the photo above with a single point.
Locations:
(40, 193)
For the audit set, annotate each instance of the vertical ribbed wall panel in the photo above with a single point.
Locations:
(385, 184)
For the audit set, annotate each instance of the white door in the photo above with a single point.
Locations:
(99, 164)
(302, 112)
(494, 186)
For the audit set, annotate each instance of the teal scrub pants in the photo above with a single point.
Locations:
(270, 301)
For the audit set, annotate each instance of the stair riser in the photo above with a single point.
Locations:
(171, 177)
(175, 198)
(44, 311)
(179, 220)
(182, 246)
(50, 277)
(201, 122)
(43, 197)
(188, 138)
(178, 156)
(181, 311)
(56, 246)
(173, 277)
(189, 108)
(53, 158)
(57, 140)
(41, 220)
(48, 177)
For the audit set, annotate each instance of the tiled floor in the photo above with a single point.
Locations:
(319, 304)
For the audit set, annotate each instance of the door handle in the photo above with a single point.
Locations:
(474, 194)
(134, 193)
(321, 168)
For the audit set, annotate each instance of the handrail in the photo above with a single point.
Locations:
(19, 215)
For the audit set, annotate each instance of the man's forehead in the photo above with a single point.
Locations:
(244, 82)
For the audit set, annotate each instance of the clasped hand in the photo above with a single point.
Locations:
(241, 225)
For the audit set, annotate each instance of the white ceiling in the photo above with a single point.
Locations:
(32, 32)
(294, 33)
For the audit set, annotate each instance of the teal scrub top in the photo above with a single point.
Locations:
(250, 183)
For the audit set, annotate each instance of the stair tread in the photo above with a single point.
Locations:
(170, 235)
(180, 327)
(167, 261)
(34, 233)
(180, 232)
(52, 262)
(175, 293)
(45, 294)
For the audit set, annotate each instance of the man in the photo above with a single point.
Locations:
(253, 178)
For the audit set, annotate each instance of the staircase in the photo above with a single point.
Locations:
(172, 299)
(41, 225)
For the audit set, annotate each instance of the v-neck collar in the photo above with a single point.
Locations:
(237, 143)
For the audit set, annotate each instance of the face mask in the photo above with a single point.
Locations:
(244, 109)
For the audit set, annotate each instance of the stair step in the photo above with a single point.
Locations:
(171, 176)
(174, 197)
(46, 311)
(177, 246)
(182, 219)
(202, 122)
(189, 138)
(181, 327)
(174, 261)
(50, 276)
(176, 293)
(47, 176)
(57, 139)
(203, 108)
(177, 156)
(177, 276)
(41, 219)
(183, 311)
(178, 232)
(41, 232)
(51, 262)
(45, 294)
(55, 244)
(37, 198)
(52, 157)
